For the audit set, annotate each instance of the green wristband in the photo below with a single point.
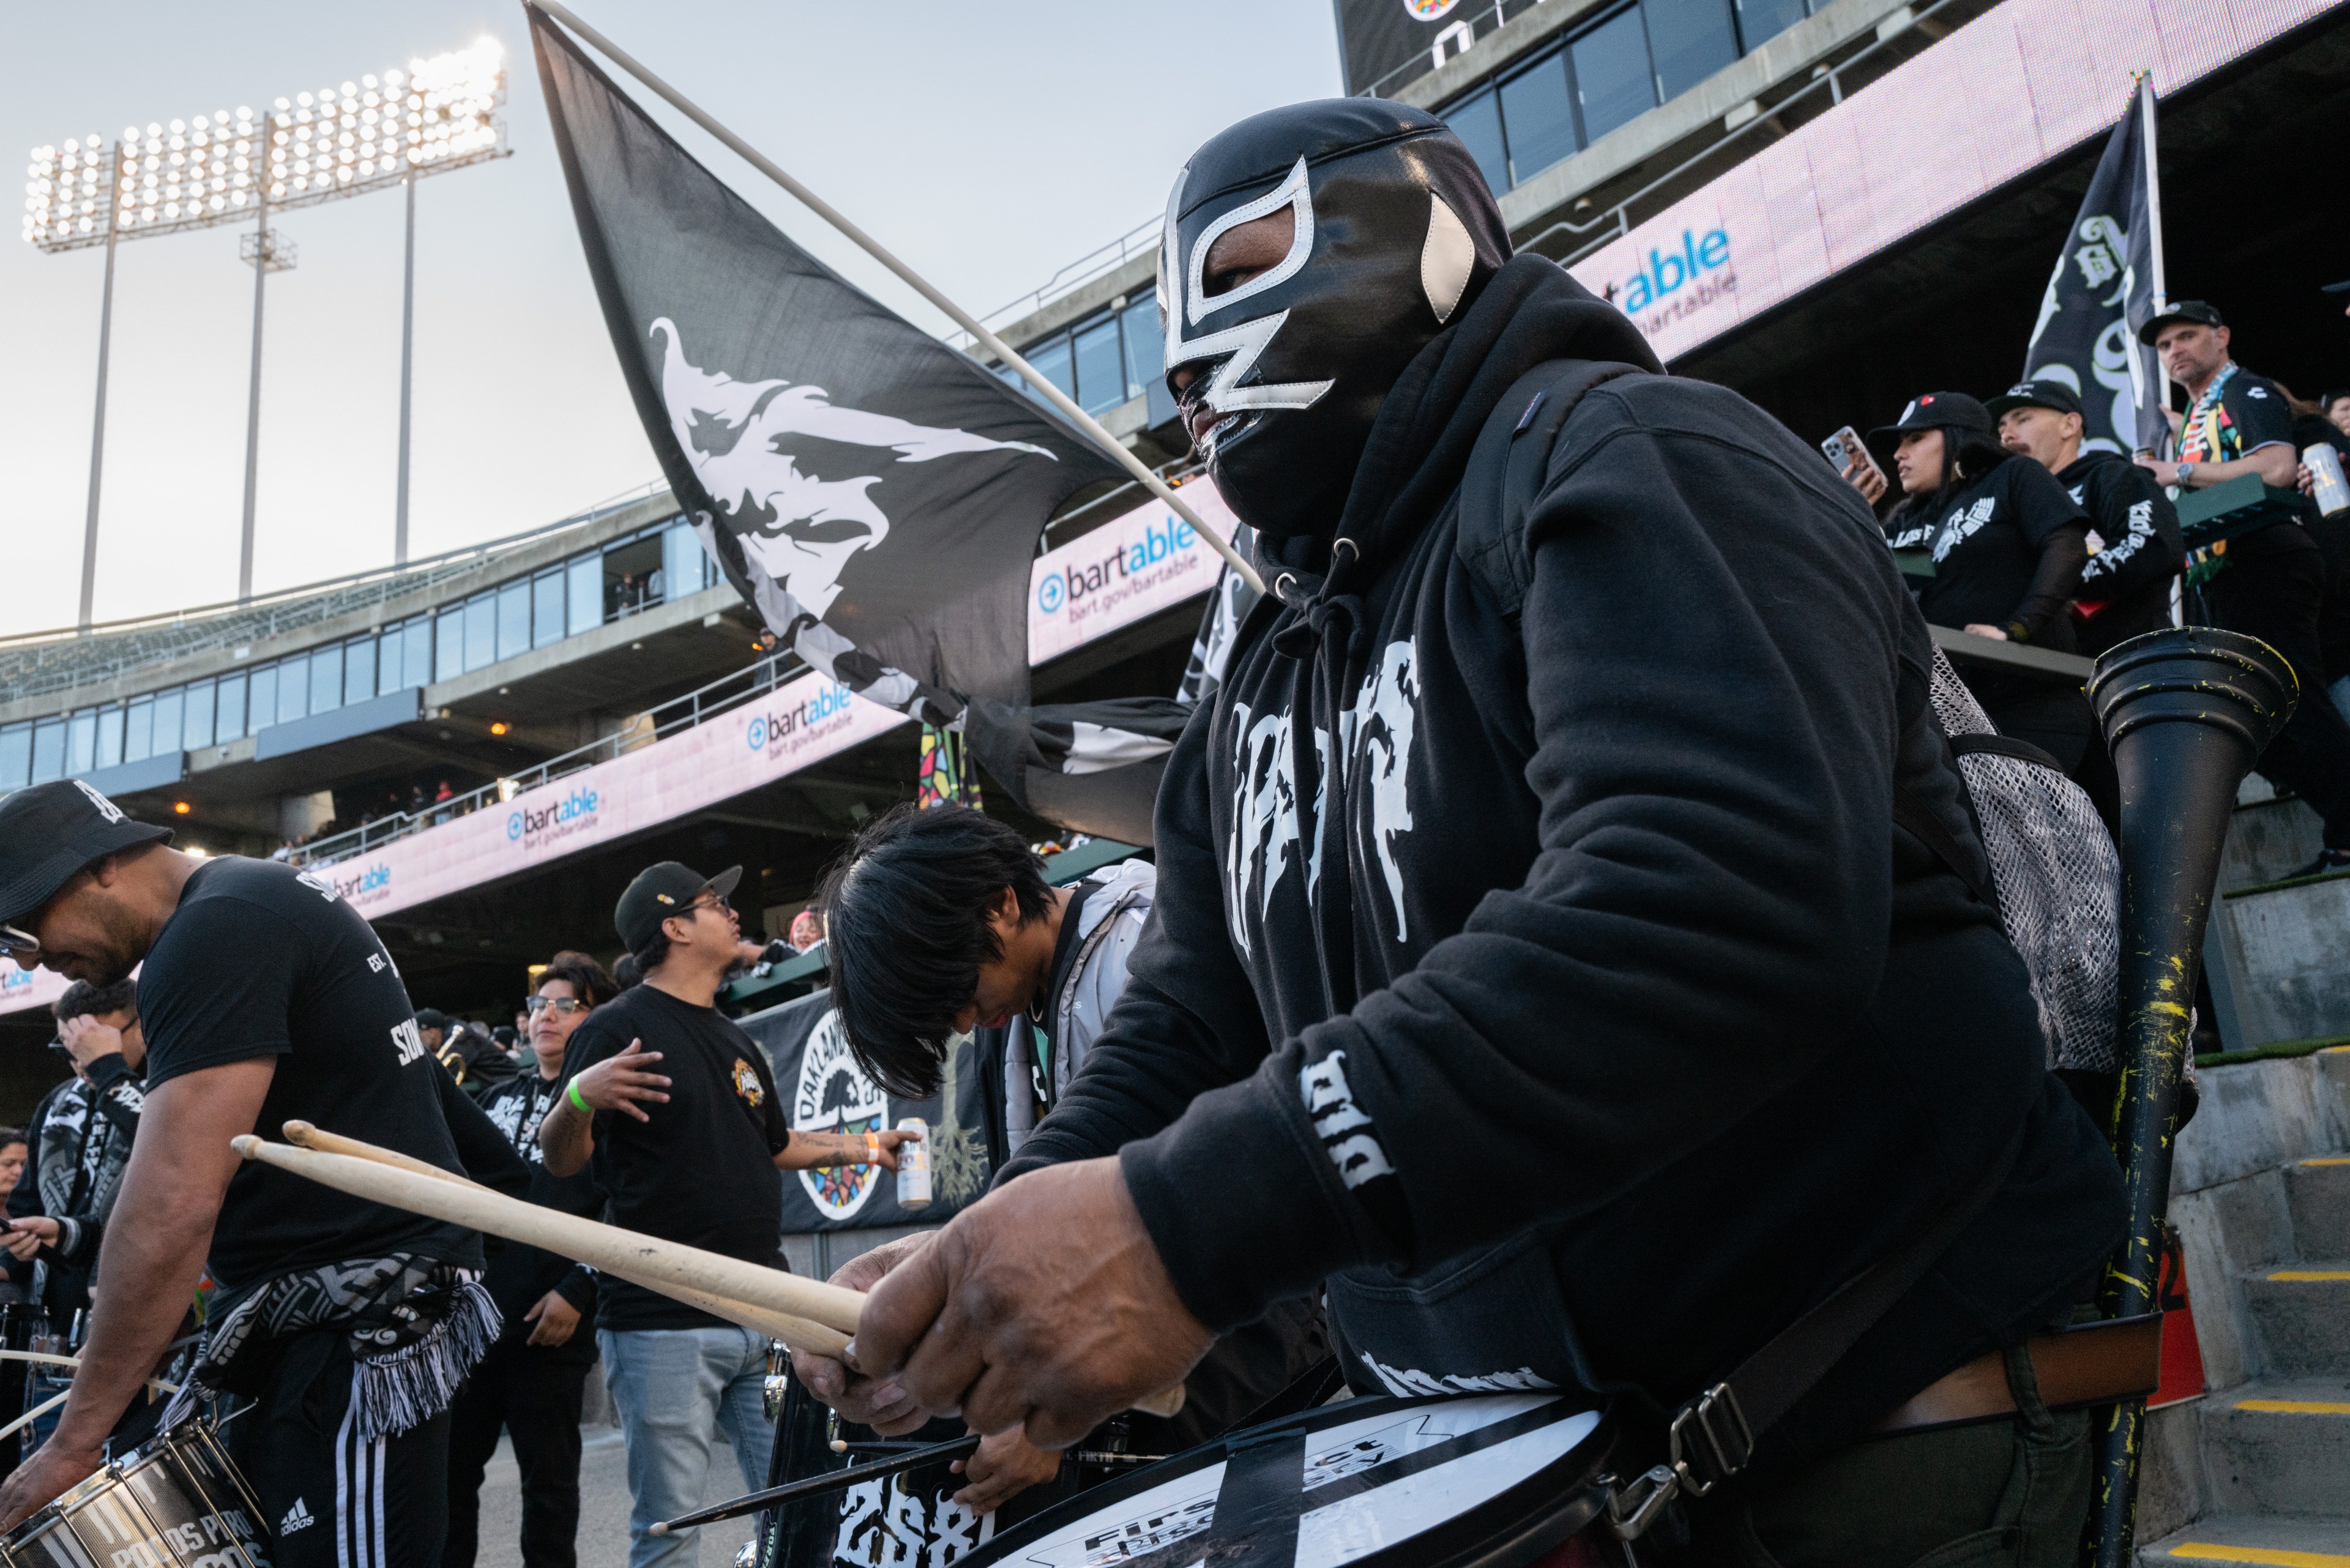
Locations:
(571, 1092)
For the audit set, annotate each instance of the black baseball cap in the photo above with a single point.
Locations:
(2041, 394)
(51, 831)
(661, 891)
(1932, 411)
(2177, 310)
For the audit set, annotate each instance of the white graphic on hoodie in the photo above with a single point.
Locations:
(1270, 817)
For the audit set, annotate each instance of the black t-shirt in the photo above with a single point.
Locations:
(260, 960)
(2252, 413)
(519, 1275)
(703, 1169)
(2127, 583)
(1985, 541)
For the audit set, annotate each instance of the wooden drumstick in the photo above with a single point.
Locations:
(646, 1260)
(304, 1135)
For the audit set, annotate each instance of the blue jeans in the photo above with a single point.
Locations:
(674, 1388)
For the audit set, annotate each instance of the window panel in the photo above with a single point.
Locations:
(514, 618)
(1146, 347)
(138, 725)
(547, 609)
(1759, 21)
(326, 679)
(390, 659)
(48, 750)
(1478, 124)
(681, 558)
(261, 703)
(449, 644)
(418, 655)
(82, 741)
(1690, 40)
(230, 703)
(1051, 361)
(168, 710)
(584, 579)
(196, 719)
(1538, 114)
(358, 669)
(1612, 80)
(480, 630)
(15, 756)
(293, 688)
(1101, 369)
(110, 736)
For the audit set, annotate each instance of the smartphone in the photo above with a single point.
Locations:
(1845, 445)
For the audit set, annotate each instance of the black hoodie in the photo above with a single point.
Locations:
(1557, 986)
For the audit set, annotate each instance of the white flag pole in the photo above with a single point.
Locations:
(872, 247)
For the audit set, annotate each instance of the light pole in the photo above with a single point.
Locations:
(369, 135)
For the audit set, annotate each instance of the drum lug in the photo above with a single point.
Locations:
(771, 1396)
(1632, 1508)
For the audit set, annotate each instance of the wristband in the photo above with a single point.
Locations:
(872, 1149)
(571, 1092)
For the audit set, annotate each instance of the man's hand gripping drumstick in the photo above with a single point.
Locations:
(1042, 1308)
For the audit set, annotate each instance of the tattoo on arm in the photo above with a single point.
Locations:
(565, 1138)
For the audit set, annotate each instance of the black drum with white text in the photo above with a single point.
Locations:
(1475, 1482)
(173, 1502)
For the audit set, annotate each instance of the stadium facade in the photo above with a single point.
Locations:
(1829, 206)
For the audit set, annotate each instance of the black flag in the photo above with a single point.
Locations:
(874, 494)
(2102, 292)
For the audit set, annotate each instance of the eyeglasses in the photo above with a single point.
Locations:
(713, 902)
(15, 940)
(563, 1004)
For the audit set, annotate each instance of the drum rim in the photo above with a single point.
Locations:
(1504, 1529)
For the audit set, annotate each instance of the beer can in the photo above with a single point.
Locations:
(2333, 494)
(914, 1165)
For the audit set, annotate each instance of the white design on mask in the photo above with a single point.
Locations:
(1241, 343)
(800, 529)
(1446, 259)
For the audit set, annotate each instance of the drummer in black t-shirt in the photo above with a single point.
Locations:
(2008, 545)
(264, 998)
(2270, 583)
(688, 1153)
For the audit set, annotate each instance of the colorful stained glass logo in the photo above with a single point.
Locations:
(834, 1096)
(1429, 10)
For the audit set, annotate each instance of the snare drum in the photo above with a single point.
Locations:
(175, 1502)
(1479, 1481)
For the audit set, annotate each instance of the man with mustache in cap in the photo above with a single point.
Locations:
(1546, 814)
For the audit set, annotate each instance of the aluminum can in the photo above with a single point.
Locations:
(914, 1165)
(2325, 467)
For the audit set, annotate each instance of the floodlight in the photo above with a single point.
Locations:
(371, 135)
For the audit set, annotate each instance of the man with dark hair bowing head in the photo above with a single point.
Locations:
(674, 1111)
(265, 997)
(1546, 812)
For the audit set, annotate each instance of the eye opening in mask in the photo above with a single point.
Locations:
(1244, 254)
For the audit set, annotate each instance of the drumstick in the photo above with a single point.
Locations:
(308, 1137)
(786, 1302)
(774, 1324)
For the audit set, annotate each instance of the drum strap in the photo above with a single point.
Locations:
(1715, 1435)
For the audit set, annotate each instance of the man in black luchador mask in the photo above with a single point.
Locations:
(1538, 968)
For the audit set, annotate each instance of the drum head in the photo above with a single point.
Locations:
(1482, 1481)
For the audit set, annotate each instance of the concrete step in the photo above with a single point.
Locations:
(2318, 1191)
(2301, 1319)
(2239, 1538)
(2284, 943)
(2267, 840)
(2279, 1448)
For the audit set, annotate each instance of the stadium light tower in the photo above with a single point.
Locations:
(369, 135)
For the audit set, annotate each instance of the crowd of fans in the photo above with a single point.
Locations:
(2021, 535)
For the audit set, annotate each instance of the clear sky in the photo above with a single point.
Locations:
(989, 144)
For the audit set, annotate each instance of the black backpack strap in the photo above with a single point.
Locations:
(1507, 469)
(2003, 746)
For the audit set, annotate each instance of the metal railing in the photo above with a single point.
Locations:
(726, 693)
(1139, 240)
(1414, 68)
(37, 662)
(1829, 82)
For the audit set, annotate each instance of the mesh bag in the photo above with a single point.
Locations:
(2056, 876)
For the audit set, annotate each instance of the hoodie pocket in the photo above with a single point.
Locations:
(1494, 1320)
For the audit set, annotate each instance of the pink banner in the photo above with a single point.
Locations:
(2002, 94)
(1124, 571)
